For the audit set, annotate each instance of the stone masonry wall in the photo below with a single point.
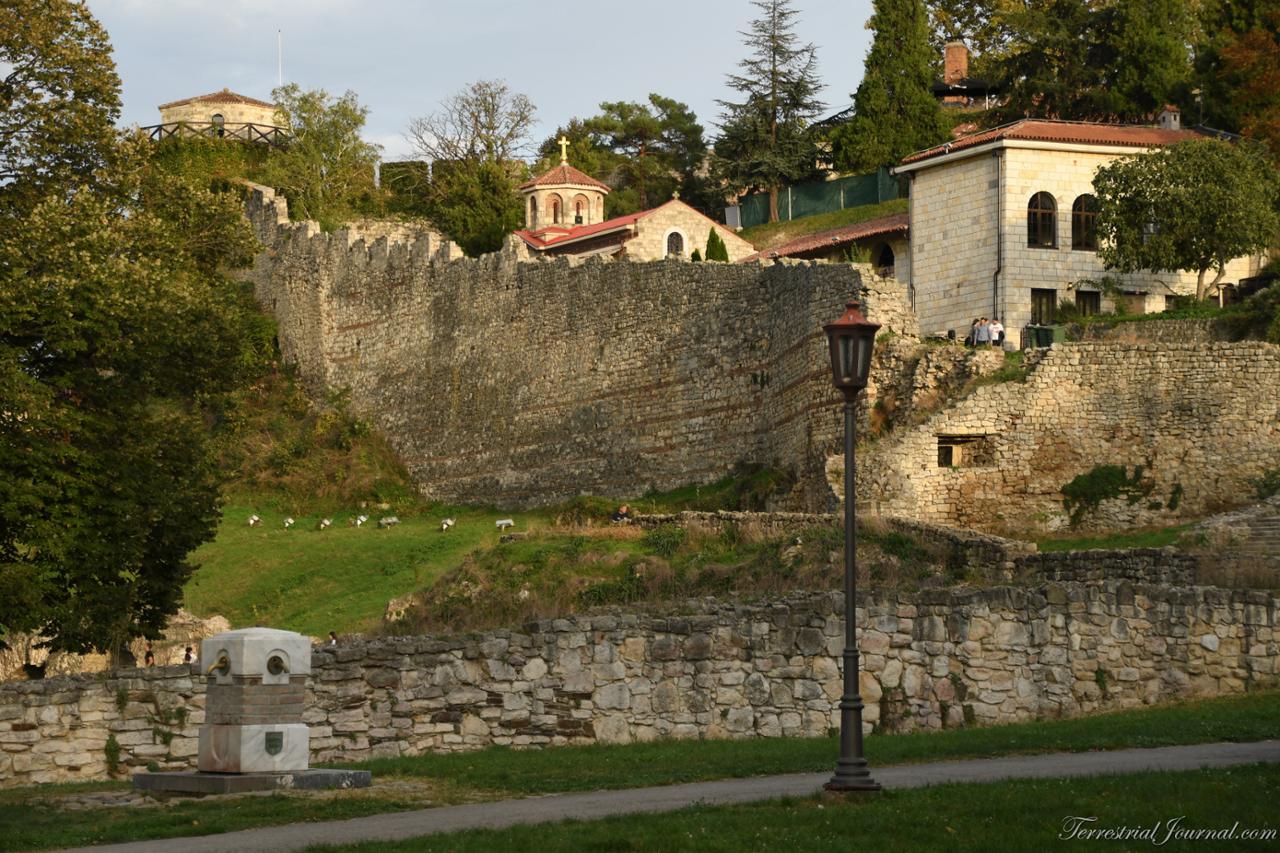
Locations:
(516, 382)
(1202, 420)
(930, 659)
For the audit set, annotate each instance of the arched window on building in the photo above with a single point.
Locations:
(1084, 223)
(218, 122)
(581, 209)
(555, 210)
(533, 211)
(675, 244)
(884, 261)
(1042, 222)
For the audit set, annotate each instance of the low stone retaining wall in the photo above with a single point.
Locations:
(988, 556)
(1140, 565)
(931, 659)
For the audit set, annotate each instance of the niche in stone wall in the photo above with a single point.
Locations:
(965, 451)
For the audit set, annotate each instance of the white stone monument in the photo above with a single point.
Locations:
(254, 702)
(253, 737)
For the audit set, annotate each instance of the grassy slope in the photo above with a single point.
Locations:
(1153, 538)
(31, 819)
(314, 581)
(772, 234)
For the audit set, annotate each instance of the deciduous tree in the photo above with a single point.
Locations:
(59, 99)
(1193, 206)
(326, 170)
(764, 141)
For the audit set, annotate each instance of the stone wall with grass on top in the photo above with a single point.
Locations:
(1191, 425)
(518, 382)
(931, 659)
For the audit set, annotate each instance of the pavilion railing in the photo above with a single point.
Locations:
(263, 134)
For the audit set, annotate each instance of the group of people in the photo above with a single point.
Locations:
(984, 332)
(149, 655)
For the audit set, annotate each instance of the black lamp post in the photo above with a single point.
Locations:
(852, 339)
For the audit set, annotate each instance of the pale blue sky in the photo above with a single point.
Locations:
(402, 57)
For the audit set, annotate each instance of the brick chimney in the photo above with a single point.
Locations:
(955, 63)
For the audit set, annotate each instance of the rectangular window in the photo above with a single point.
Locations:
(1044, 306)
(965, 451)
(1088, 302)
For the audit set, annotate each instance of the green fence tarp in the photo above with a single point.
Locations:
(820, 197)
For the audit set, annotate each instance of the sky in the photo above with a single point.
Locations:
(402, 58)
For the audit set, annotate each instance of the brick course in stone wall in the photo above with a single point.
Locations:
(519, 382)
(719, 669)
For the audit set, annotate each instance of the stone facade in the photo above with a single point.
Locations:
(1201, 420)
(932, 659)
(675, 217)
(961, 208)
(515, 382)
(234, 109)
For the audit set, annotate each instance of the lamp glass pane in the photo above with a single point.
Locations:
(846, 359)
(864, 358)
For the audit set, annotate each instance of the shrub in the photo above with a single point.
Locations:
(664, 540)
(1268, 485)
(1084, 493)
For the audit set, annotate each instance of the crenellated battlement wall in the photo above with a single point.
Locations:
(516, 381)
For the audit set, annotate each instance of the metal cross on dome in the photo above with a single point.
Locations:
(564, 149)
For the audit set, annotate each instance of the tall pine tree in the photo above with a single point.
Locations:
(895, 112)
(765, 142)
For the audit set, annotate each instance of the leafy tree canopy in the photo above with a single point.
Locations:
(472, 143)
(1193, 206)
(1075, 59)
(59, 99)
(326, 170)
(644, 151)
(119, 341)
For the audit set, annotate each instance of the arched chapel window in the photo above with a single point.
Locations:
(1042, 222)
(675, 243)
(218, 122)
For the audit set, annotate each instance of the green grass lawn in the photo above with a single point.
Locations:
(1155, 538)
(315, 581)
(1018, 815)
(772, 234)
(31, 819)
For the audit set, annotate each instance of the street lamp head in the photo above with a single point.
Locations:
(852, 339)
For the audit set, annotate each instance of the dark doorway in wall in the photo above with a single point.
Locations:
(1088, 302)
(1044, 306)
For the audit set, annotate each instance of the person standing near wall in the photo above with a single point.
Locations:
(982, 333)
(997, 332)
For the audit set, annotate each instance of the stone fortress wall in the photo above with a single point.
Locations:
(1202, 419)
(1092, 633)
(517, 382)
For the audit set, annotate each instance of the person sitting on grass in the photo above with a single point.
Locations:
(621, 515)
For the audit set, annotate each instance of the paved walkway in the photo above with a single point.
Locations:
(598, 804)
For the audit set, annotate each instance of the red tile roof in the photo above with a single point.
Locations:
(554, 235)
(226, 96)
(835, 237)
(1042, 130)
(565, 174)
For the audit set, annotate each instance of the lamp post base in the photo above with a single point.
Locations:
(852, 776)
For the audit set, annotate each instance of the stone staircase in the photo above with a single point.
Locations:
(1240, 547)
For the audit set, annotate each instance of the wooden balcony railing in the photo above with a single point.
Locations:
(263, 134)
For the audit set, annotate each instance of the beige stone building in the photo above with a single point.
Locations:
(564, 215)
(1002, 225)
(219, 114)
